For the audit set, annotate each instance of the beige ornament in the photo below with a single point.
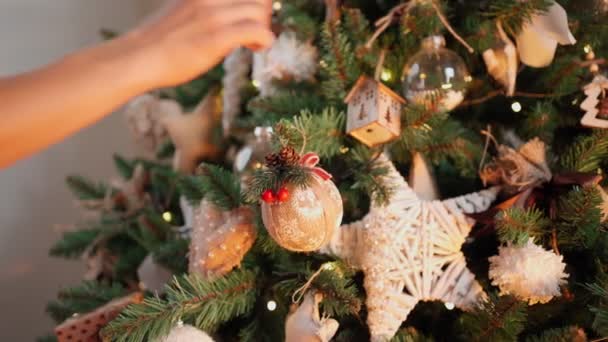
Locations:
(236, 76)
(220, 239)
(144, 116)
(305, 323)
(192, 133)
(374, 112)
(502, 61)
(518, 169)
(152, 276)
(595, 92)
(186, 333)
(308, 219)
(86, 327)
(410, 251)
(421, 179)
(537, 41)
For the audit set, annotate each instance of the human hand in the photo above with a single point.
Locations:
(188, 37)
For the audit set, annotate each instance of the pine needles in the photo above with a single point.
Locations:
(203, 303)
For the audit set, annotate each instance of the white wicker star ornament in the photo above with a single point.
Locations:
(410, 251)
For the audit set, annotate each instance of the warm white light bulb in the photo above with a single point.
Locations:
(449, 306)
(516, 107)
(277, 5)
(587, 48)
(271, 305)
(167, 216)
(386, 75)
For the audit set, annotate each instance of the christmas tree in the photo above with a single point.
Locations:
(271, 202)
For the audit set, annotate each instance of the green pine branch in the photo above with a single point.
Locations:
(600, 290)
(340, 294)
(497, 319)
(315, 132)
(514, 14)
(367, 174)
(83, 298)
(587, 152)
(339, 67)
(74, 243)
(85, 189)
(172, 254)
(266, 111)
(518, 225)
(191, 187)
(221, 187)
(124, 167)
(565, 334)
(541, 122)
(205, 304)
(579, 218)
(410, 335)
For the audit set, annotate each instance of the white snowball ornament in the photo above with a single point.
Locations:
(287, 59)
(538, 39)
(528, 272)
(186, 333)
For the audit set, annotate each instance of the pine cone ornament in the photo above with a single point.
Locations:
(306, 218)
(287, 156)
(528, 272)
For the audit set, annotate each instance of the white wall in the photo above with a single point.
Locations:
(33, 197)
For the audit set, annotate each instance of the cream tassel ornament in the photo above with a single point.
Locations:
(528, 272)
(236, 67)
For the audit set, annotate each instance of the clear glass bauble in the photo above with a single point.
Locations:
(251, 156)
(435, 76)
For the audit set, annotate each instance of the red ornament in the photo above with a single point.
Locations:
(268, 196)
(283, 194)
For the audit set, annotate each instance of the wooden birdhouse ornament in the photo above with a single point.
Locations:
(374, 112)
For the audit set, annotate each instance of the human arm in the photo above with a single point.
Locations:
(44, 106)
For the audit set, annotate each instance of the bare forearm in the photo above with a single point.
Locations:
(44, 106)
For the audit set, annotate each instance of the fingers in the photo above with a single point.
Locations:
(225, 14)
(244, 33)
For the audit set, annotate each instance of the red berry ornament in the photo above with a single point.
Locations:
(283, 195)
(268, 196)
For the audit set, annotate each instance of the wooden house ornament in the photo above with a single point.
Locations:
(374, 112)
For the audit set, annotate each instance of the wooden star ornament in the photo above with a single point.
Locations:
(192, 133)
(410, 251)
